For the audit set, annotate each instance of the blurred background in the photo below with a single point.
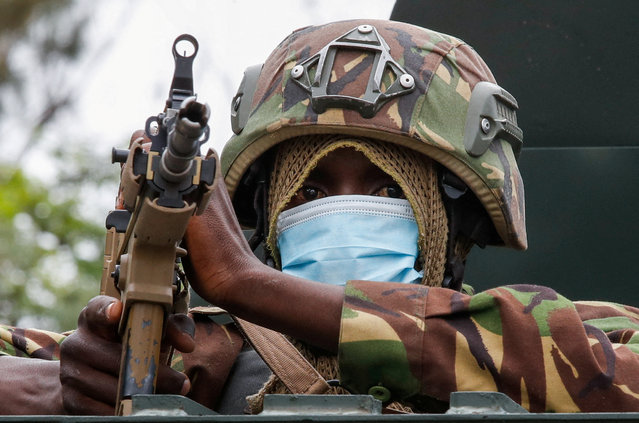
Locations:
(77, 77)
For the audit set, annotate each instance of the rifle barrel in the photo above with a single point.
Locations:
(183, 142)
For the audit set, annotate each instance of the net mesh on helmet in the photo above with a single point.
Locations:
(413, 172)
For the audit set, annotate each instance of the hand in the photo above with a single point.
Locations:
(218, 254)
(223, 270)
(90, 358)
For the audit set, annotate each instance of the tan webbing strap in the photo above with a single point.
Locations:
(297, 374)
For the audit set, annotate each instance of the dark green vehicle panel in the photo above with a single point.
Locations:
(581, 206)
(573, 67)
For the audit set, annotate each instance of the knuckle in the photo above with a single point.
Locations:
(170, 381)
(68, 347)
(70, 400)
(70, 377)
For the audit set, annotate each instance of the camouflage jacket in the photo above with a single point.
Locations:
(545, 352)
(419, 344)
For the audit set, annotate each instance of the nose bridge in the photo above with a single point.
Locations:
(350, 186)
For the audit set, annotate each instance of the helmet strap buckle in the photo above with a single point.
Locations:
(466, 218)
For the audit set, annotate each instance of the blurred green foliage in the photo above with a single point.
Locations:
(17, 19)
(50, 252)
(47, 255)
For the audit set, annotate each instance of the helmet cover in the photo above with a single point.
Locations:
(392, 82)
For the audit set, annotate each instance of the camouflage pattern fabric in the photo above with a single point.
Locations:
(545, 352)
(37, 343)
(34, 343)
(422, 343)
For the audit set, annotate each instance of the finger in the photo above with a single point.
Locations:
(101, 317)
(139, 135)
(172, 382)
(76, 403)
(180, 332)
(91, 350)
(90, 383)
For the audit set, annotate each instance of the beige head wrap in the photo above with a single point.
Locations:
(413, 172)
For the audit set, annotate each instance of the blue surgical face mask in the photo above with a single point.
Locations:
(347, 237)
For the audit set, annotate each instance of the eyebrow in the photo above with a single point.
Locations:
(318, 173)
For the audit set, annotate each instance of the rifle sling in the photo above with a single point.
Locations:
(297, 374)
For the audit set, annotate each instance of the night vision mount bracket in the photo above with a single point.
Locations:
(364, 37)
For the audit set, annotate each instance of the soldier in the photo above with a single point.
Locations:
(370, 156)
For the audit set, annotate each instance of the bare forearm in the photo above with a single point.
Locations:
(30, 386)
(224, 271)
(305, 310)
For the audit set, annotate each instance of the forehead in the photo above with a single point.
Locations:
(346, 162)
(344, 156)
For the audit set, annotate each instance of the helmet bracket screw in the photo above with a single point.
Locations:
(236, 103)
(365, 29)
(297, 71)
(485, 125)
(407, 81)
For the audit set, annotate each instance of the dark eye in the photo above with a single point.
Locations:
(304, 195)
(391, 191)
(310, 193)
(307, 193)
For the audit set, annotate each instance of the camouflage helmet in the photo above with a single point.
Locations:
(388, 81)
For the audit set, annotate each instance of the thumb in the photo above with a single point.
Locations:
(180, 332)
(101, 317)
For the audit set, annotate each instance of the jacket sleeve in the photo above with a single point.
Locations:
(542, 350)
(34, 343)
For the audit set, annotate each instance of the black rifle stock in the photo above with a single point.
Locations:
(161, 187)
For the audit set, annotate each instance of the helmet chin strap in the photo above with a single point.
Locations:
(466, 218)
(258, 176)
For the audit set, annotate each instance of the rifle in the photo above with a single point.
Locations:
(160, 189)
